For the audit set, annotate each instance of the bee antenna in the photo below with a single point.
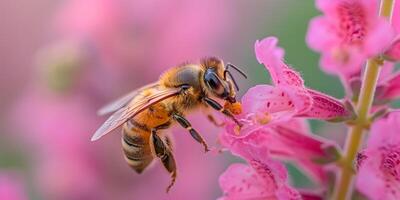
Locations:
(233, 79)
(236, 68)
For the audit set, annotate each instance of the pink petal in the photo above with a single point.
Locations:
(369, 183)
(396, 16)
(275, 173)
(260, 181)
(344, 62)
(385, 131)
(316, 172)
(378, 175)
(386, 71)
(320, 35)
(393, 52)
(279, 102)
(325, 107)
(379, 38)
(269, 54)
(379, 164)
(390, 89)
(266, 99)
(240, 181)
(304, 145)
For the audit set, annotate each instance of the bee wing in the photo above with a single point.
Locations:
(123, 101)
(131, 110)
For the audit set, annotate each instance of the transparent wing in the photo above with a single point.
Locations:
(123, 101)
(131, 110)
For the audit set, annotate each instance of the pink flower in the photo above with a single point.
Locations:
(11, 188)
(290, 140)
(289, 97)
(393, 53)
(389, 89)
(378, 165)
(263, 178)
(269, 115)
(348, 33)
(396, 16)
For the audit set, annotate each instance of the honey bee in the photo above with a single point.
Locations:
(144, 113)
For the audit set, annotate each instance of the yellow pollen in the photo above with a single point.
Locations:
(263, 118)
(235, 108)
(237, 130)
(340, 55)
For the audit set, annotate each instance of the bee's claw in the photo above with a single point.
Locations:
(173, 178)
(206, 149)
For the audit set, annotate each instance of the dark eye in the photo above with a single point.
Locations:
(213, 82)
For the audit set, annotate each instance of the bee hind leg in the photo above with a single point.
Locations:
(163, 151)
(186, 124)
(169, 163)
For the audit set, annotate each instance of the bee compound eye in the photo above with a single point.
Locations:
(213, 82)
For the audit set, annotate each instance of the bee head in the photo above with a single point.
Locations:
(218, 79)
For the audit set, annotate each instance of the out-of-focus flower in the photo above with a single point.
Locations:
(75, 180)
(58, 121)
(379, 164)
(122, 33)
(263, 178)
(389, 89)
(349, 32)
(393, 53)
(11, 188)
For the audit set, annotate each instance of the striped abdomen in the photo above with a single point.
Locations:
(135, 144)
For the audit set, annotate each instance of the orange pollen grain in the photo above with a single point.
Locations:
(235, 108)
(340, 55)
(237, 130)
(263, 118)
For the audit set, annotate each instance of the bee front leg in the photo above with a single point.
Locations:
(186, 124)
(162, 151)
(214, 104)
(212, 119)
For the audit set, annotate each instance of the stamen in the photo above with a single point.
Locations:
(263, 118)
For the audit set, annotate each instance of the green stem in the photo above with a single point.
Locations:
(355, 135)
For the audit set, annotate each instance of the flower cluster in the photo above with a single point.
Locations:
(274, 116)
(378, 165)
(274, 123)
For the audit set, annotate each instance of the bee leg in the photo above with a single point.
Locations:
(169, 163)
(186, 124)
(212, 119)
(164, 153)
(221, 109)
